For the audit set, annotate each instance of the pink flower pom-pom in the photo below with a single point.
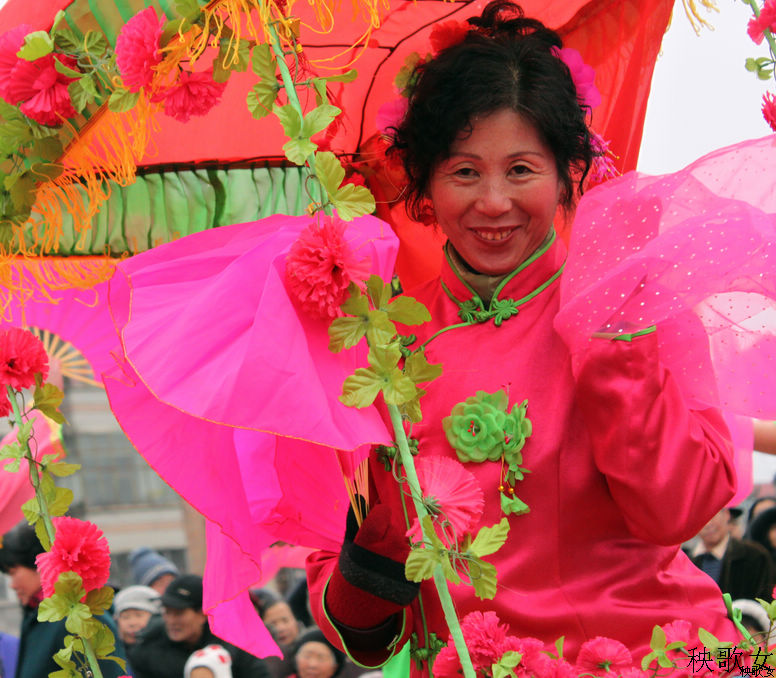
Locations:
(137, 49)
(447, 33)
(10, 43)
(766, 21)
(22, 356)
(582, 75)
(194, 94)
(79, 546)
(769, 109)
(601, 655)
(390, 114)
(5, 406)
(319, 267)
(42, 90)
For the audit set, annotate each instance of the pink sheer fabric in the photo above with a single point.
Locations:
(231, 394)
(695, 254)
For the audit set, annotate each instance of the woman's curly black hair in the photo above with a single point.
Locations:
(505, 61)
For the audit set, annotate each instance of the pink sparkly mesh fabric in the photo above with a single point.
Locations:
(693, 253)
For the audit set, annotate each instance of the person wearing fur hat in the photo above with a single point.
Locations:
(150, 568)
(39, 641)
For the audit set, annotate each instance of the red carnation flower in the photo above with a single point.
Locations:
(22, 356)
(319, 267)
(766, 21)
(5, 406)
(602, 655)
(41, 89)
(137, 49)
(194, 94)
(448, 33)
(10, 43)
(79, 546)
(769, 109)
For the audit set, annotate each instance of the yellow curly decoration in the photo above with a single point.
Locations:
(696, 20)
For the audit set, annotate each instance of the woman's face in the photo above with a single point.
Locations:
(496, 195)
(315, 660)
(281, 623)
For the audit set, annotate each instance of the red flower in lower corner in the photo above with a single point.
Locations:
(320, 265)
(601, 655)
(22, 356)
(194, 94)
(769, 109)
(79, 546)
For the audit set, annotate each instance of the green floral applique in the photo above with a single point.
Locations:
(481, 429)
(473, 311)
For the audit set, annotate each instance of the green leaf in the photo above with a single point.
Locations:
(361, 389)
(411, 409)
(121, 662)
(57, 18)
(48, 395)
(321, 95)
(505, 666)
(53, 608)
(46, 171)
(421, 564)
(70, 586)
(47, 486)
(353, 201)
(417, 368)
(16, 132)
(95, 43)
(36, 45)
(407, 311)
(345, 333)
(483, 578)
(122, 100)
(24, 431)
(329, 171)
(48, 149)
(490, 539)
(66, 70)
(31, 510)
(78, 621)
(708, 639)
(319, 119)
(188, 9)
(23, 192)
(62, 469)
(11, 451)
(289, 119)
(66, 40)
(380, 331)
(751, 65)
(658, 640)
(378, 291)
(384, 359)
(61, 504)
(263, 62)
(298, 150)
(356, 303)
(399, 389)
(347, 76)
(262, 98)
(99, 600)
(104, 642)
(42, 533)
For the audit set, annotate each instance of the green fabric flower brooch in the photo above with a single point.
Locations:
(481, 429)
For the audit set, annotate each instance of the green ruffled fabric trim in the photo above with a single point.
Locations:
(161, 207)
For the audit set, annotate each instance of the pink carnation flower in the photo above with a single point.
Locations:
(602, 167)
(137, 49)
(391, 113)
(10, 43)
(602, 655)
(766, 21)
(194, 94)
(79, 546)
(582, 75)
(22, 356)
(769, 109)
(319, 267)
(448, 33)
(5, 405)
(41, 90)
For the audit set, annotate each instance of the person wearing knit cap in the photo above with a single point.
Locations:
(316, 657)
(150, 568)
(133, 608)
(165, 645)
(212, 661)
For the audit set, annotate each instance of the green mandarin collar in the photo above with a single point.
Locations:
(507, 293)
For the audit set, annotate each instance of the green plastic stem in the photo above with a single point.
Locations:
(293, 99)
(33, 467)
(91, 657)
(451, 617)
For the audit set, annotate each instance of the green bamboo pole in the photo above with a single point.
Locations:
(451, 617)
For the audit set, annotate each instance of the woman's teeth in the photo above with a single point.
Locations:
(494, 235)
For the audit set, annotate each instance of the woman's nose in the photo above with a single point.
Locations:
(493, 200)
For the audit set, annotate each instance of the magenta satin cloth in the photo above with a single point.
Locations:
(231, 395)
(621, 471)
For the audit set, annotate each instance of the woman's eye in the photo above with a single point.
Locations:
(521, 169)
(465, 172)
